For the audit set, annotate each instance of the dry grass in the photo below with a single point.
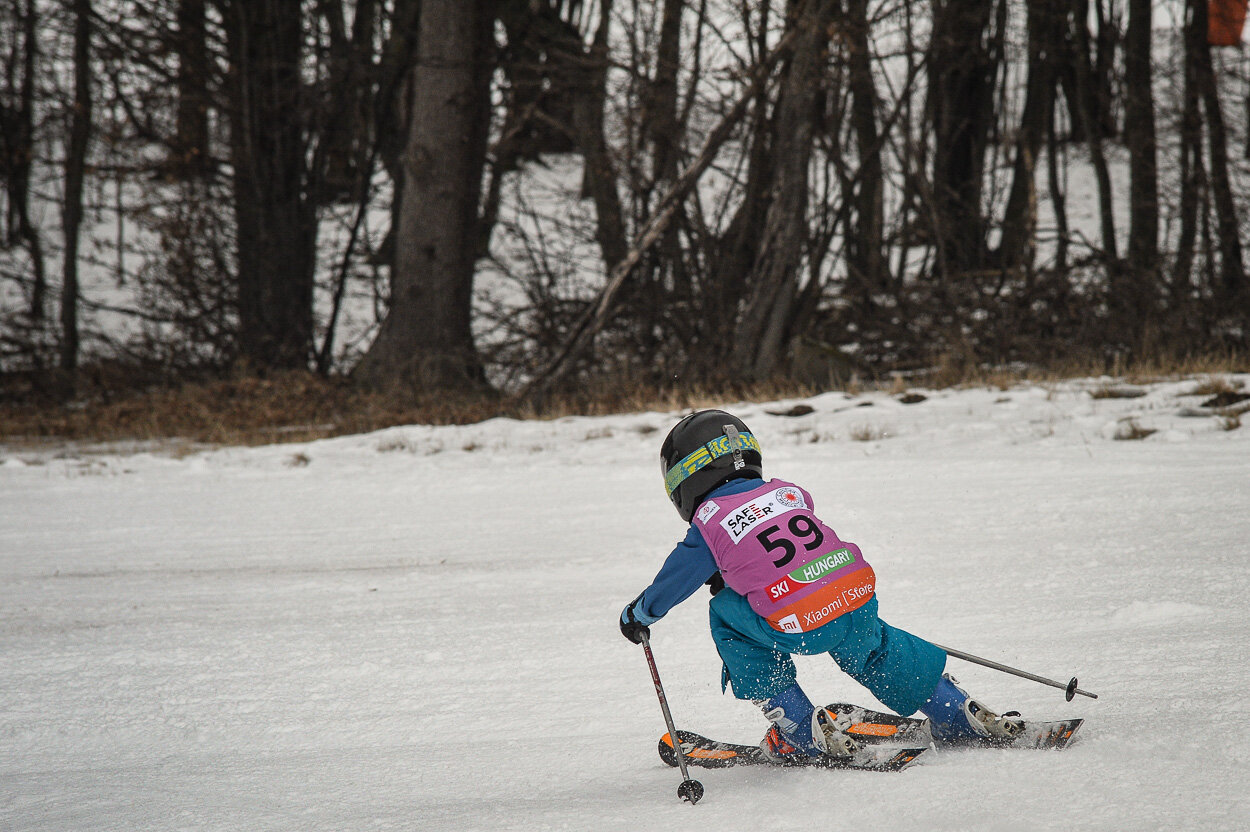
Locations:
(297, 407)
(249, 411)
(1216, 384)
(1130, 430)
(868, 433)
(951, 371)
(1116, 391)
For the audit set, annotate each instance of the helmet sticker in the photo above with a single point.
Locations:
(703, 456)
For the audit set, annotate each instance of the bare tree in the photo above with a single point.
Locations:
(1134, 291)
(80, 130)
(666, 209)
(865, 255)
(1232, 287)
(17, 150)
(1019, 235)
(426, 341)
(190, 154)
(1192, 169)
(764, 326)
(963, 63)
(588, 93)
(1087, 112)
(735, 246)
(276, 218)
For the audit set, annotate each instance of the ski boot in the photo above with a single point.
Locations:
(829, 731)
(955, 719)
(801, 731)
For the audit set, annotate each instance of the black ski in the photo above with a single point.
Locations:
(705, 753)
(872, 727)
(888, 742)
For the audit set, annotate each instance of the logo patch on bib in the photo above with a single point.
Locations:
(708, 511)
(744, 518)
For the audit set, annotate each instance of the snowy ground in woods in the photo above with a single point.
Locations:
(416, 629)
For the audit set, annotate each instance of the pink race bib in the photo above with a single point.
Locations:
(772, 549)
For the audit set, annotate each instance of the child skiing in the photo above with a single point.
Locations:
(784, 583)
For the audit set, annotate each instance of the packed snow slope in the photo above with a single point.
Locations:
(416, 629)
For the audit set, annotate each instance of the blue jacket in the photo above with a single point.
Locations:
(688, 567)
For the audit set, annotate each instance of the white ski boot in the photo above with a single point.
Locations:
(829, 731)
(829, 737)
(955, 718)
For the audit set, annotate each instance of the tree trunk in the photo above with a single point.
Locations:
(736, 250)
(17, 153)
(1190, 149)
(661, 96)
(1087, 110)
(1135, 295)
(664, 132)
(1018, 245)
(75, 171)
(865, 246)
(277, 229)
(1106, 41)
(961, 85)
(190, 152)
(426, 341)
(599, 172)
(392, 105)
(763, 326)
(344, 127)
(1058, 198)
(1232, 270)
(394, 68)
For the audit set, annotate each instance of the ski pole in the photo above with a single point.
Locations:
(1070, 688)
(690, 790)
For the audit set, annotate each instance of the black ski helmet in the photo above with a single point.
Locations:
(704, 450)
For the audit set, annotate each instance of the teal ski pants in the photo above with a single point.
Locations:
(900, 669)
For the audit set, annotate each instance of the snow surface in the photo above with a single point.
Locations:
(416, 629)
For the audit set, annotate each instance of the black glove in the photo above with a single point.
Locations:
(631, 628)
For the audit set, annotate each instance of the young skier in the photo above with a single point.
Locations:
(784, 583)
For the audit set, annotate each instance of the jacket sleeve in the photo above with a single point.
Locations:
(687, 568)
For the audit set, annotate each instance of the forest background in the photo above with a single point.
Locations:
(295, 217)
